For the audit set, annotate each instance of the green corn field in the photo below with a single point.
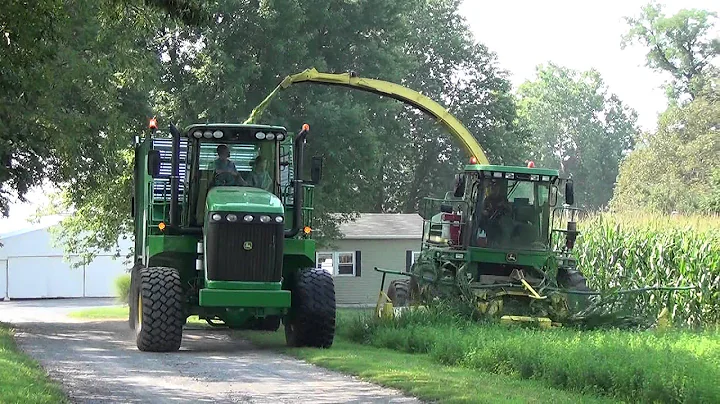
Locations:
(634, 251)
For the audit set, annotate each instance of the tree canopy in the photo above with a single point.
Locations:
(578, 127)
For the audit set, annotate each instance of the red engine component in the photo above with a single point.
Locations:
(453, 220)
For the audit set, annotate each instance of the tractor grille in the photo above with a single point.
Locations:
(230, 259)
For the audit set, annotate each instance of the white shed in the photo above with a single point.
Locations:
(30, 267)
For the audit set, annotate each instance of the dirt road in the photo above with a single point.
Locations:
(97, 361)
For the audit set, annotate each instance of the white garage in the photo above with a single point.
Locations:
(31, 267)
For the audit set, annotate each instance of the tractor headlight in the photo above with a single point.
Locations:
(260, 135)
(248, 218)
(231, 217)
(216, 217)
(207, 134)
(218, 134)
(279, 219)
(264, 219)
(197, 134)
(280, 136)
(270, 136)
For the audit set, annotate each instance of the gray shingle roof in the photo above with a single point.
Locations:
(384, 226)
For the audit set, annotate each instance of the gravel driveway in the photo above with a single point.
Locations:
(97, 361)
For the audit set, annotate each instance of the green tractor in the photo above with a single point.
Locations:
(228, 242)
(491, 242)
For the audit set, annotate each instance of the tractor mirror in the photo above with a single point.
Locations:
(316, 169)
(154, 163)
(569, 192)
(446, 208)
(459, 186)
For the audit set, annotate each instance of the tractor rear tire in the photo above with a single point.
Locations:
(311, 321)
(160, 319)
(399, 292)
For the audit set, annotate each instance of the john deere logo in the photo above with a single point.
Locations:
(247, 245)
(511, 257)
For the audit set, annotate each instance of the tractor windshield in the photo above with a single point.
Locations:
(512, 214)
(238, 164)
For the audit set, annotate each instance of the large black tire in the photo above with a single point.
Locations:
(399, 292)
(160, 310)
(573, 279)
(311, 321)
(133, 295)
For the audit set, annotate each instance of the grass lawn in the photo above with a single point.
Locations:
(416, 374)
(22, 380)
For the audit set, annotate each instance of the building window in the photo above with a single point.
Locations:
(415, 256)
(337, 263)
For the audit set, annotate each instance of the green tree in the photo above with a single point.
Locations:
(676, 168)
(682, 45)
(578, 127)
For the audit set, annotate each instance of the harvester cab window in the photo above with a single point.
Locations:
(510, 214)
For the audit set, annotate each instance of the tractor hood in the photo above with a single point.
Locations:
(242, 199)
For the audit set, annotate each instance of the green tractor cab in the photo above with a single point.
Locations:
(491, 243)
(223, 230)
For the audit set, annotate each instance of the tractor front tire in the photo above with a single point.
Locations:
(311, 321)
(160, 317)
(399, 292)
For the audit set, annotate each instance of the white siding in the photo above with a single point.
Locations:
(3, 279)
(42, 277)
(100, 276)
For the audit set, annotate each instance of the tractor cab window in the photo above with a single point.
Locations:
(248, 165)
(234, 164)
(510, 214)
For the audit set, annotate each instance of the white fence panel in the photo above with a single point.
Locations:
(100, 276)
(3, 279)
(42, 277)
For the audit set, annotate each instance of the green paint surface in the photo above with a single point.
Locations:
(244, 298)
(158, 244)
(242, 199)
(524, 257)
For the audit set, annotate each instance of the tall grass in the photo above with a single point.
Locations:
(640, 366)
(635, 251)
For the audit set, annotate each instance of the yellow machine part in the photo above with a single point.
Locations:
(543, 322)
(386, 89)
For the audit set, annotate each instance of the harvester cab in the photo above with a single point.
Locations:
(223, 230)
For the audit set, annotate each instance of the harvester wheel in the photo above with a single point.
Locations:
(575, 280)
(311, 321)
(160, 318)
(399, 292)
(133, 295)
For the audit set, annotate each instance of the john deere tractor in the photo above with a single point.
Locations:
(223, 230)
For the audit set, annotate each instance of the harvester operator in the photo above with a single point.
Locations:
(494, 217)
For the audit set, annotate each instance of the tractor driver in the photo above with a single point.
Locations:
(225, 172)
(494, 217)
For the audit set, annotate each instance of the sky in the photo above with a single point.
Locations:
(523, 34)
